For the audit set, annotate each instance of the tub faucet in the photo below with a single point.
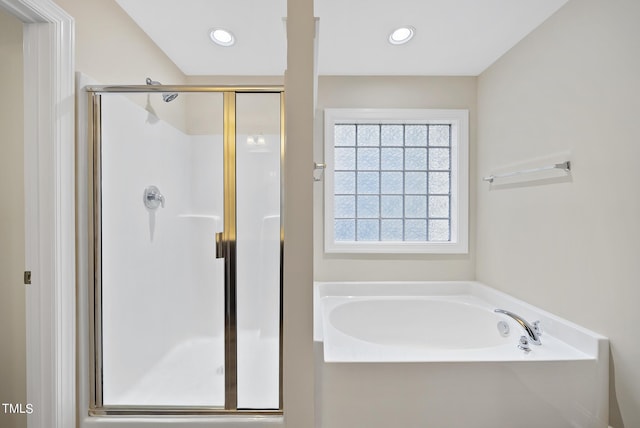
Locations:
(533, 331)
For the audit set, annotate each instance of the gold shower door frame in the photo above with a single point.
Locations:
(226, 245)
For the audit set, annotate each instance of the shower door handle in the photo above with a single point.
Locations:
(219, 245)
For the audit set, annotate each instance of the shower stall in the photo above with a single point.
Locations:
(186, 250)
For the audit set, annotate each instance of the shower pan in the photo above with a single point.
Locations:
(186, 250)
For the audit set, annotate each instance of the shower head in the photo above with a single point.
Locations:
(166, 96)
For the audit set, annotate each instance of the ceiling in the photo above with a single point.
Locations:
(453, 37)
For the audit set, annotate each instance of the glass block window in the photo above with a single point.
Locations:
(394, 181)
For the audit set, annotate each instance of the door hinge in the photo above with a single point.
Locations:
(27, 277)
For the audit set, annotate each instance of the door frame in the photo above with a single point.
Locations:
(49, 187)
(89, 246)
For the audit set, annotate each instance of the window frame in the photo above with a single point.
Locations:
(459, 205)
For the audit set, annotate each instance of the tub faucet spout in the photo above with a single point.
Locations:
(533, 332)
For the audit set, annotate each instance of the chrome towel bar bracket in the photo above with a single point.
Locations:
(321, 167)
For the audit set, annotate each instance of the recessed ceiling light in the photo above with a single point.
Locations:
(401, 35)
(222, 37)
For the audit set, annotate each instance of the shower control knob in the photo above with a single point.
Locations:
(152, 198)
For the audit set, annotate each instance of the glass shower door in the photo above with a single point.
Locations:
(258, 158)
(162, 285)
(187, 249)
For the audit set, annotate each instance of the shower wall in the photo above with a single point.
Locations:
(162, 285)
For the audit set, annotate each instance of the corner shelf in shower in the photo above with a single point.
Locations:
(208, 218)
(203, 216)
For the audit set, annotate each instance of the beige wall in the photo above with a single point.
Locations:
(12, 294)
(393, 92)
(112, 50)
(298, 374)
(571, 248)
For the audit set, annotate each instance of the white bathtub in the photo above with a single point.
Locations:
(430, 354)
